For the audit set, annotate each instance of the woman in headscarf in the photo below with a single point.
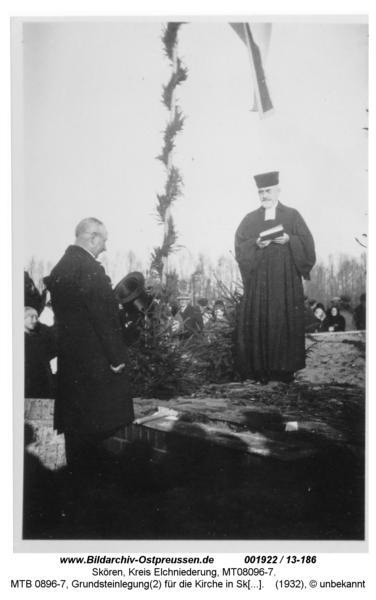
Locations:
(336, 322)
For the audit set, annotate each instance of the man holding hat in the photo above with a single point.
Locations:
(275, 250)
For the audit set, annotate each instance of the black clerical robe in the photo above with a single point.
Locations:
(271, 323)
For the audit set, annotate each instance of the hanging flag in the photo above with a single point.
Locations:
(256, 37)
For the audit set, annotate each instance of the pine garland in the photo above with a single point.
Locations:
(173, 127)
(168, 246)
(172, 192)
(169, 241)
(174, 183)
(169, 38)
(176, 79)
(157, 261)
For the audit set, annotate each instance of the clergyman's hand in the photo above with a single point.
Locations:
(282, 240)
(262, 244)
(117, 369)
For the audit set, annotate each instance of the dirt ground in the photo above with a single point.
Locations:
(202, 490)
(337, 358)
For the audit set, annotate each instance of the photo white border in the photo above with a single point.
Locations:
(127, 545)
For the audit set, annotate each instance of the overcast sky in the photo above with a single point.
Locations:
(94, 121)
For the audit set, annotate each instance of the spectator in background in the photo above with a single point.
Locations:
(335, 320)
(40, 349)
(360, 314)
(321, 318)
(230, 309)
(206, 313)
(220, 323)
(219, 311)
(310, 320)
(334, 302)
(346, 311)
(312, 304)
(193, 322)
(32, 296)
(177, 323)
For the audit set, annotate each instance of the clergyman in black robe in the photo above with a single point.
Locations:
(270, 339)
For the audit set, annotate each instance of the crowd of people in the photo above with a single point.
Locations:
(141, 305)
(339, 316)
(205, 318)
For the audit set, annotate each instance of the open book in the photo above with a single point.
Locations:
(271, 234)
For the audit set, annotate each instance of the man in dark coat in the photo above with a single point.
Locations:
(310, 321)
(191, 316)
(271, 340)
(360, 313)
(93, 393)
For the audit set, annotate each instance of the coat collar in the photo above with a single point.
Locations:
(78, 251)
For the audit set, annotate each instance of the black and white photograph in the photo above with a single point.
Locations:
(190, 198)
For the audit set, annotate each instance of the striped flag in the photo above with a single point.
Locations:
(256, 37)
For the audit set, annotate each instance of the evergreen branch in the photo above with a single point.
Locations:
(167, 148)
(177, 123)
(168, 246)
(157, 261)
(176, 79)
(173, 191)
(170, 238)
(173, 184)
(169, 38)
(172, 129)
(163, 204)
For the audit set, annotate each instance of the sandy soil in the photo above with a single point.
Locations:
(335, 358)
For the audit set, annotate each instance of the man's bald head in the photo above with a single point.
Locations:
(87, 226)
(91, 234)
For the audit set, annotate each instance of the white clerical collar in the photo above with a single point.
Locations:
(270, 212)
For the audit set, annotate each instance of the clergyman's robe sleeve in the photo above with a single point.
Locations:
(246, 248)
(302, 246)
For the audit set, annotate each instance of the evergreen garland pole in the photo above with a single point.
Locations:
(174, 183)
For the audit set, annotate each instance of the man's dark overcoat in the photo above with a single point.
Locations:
(271, 321)
(91, 398)
(192, 318)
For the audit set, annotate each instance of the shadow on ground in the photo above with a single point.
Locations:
(199, 491)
